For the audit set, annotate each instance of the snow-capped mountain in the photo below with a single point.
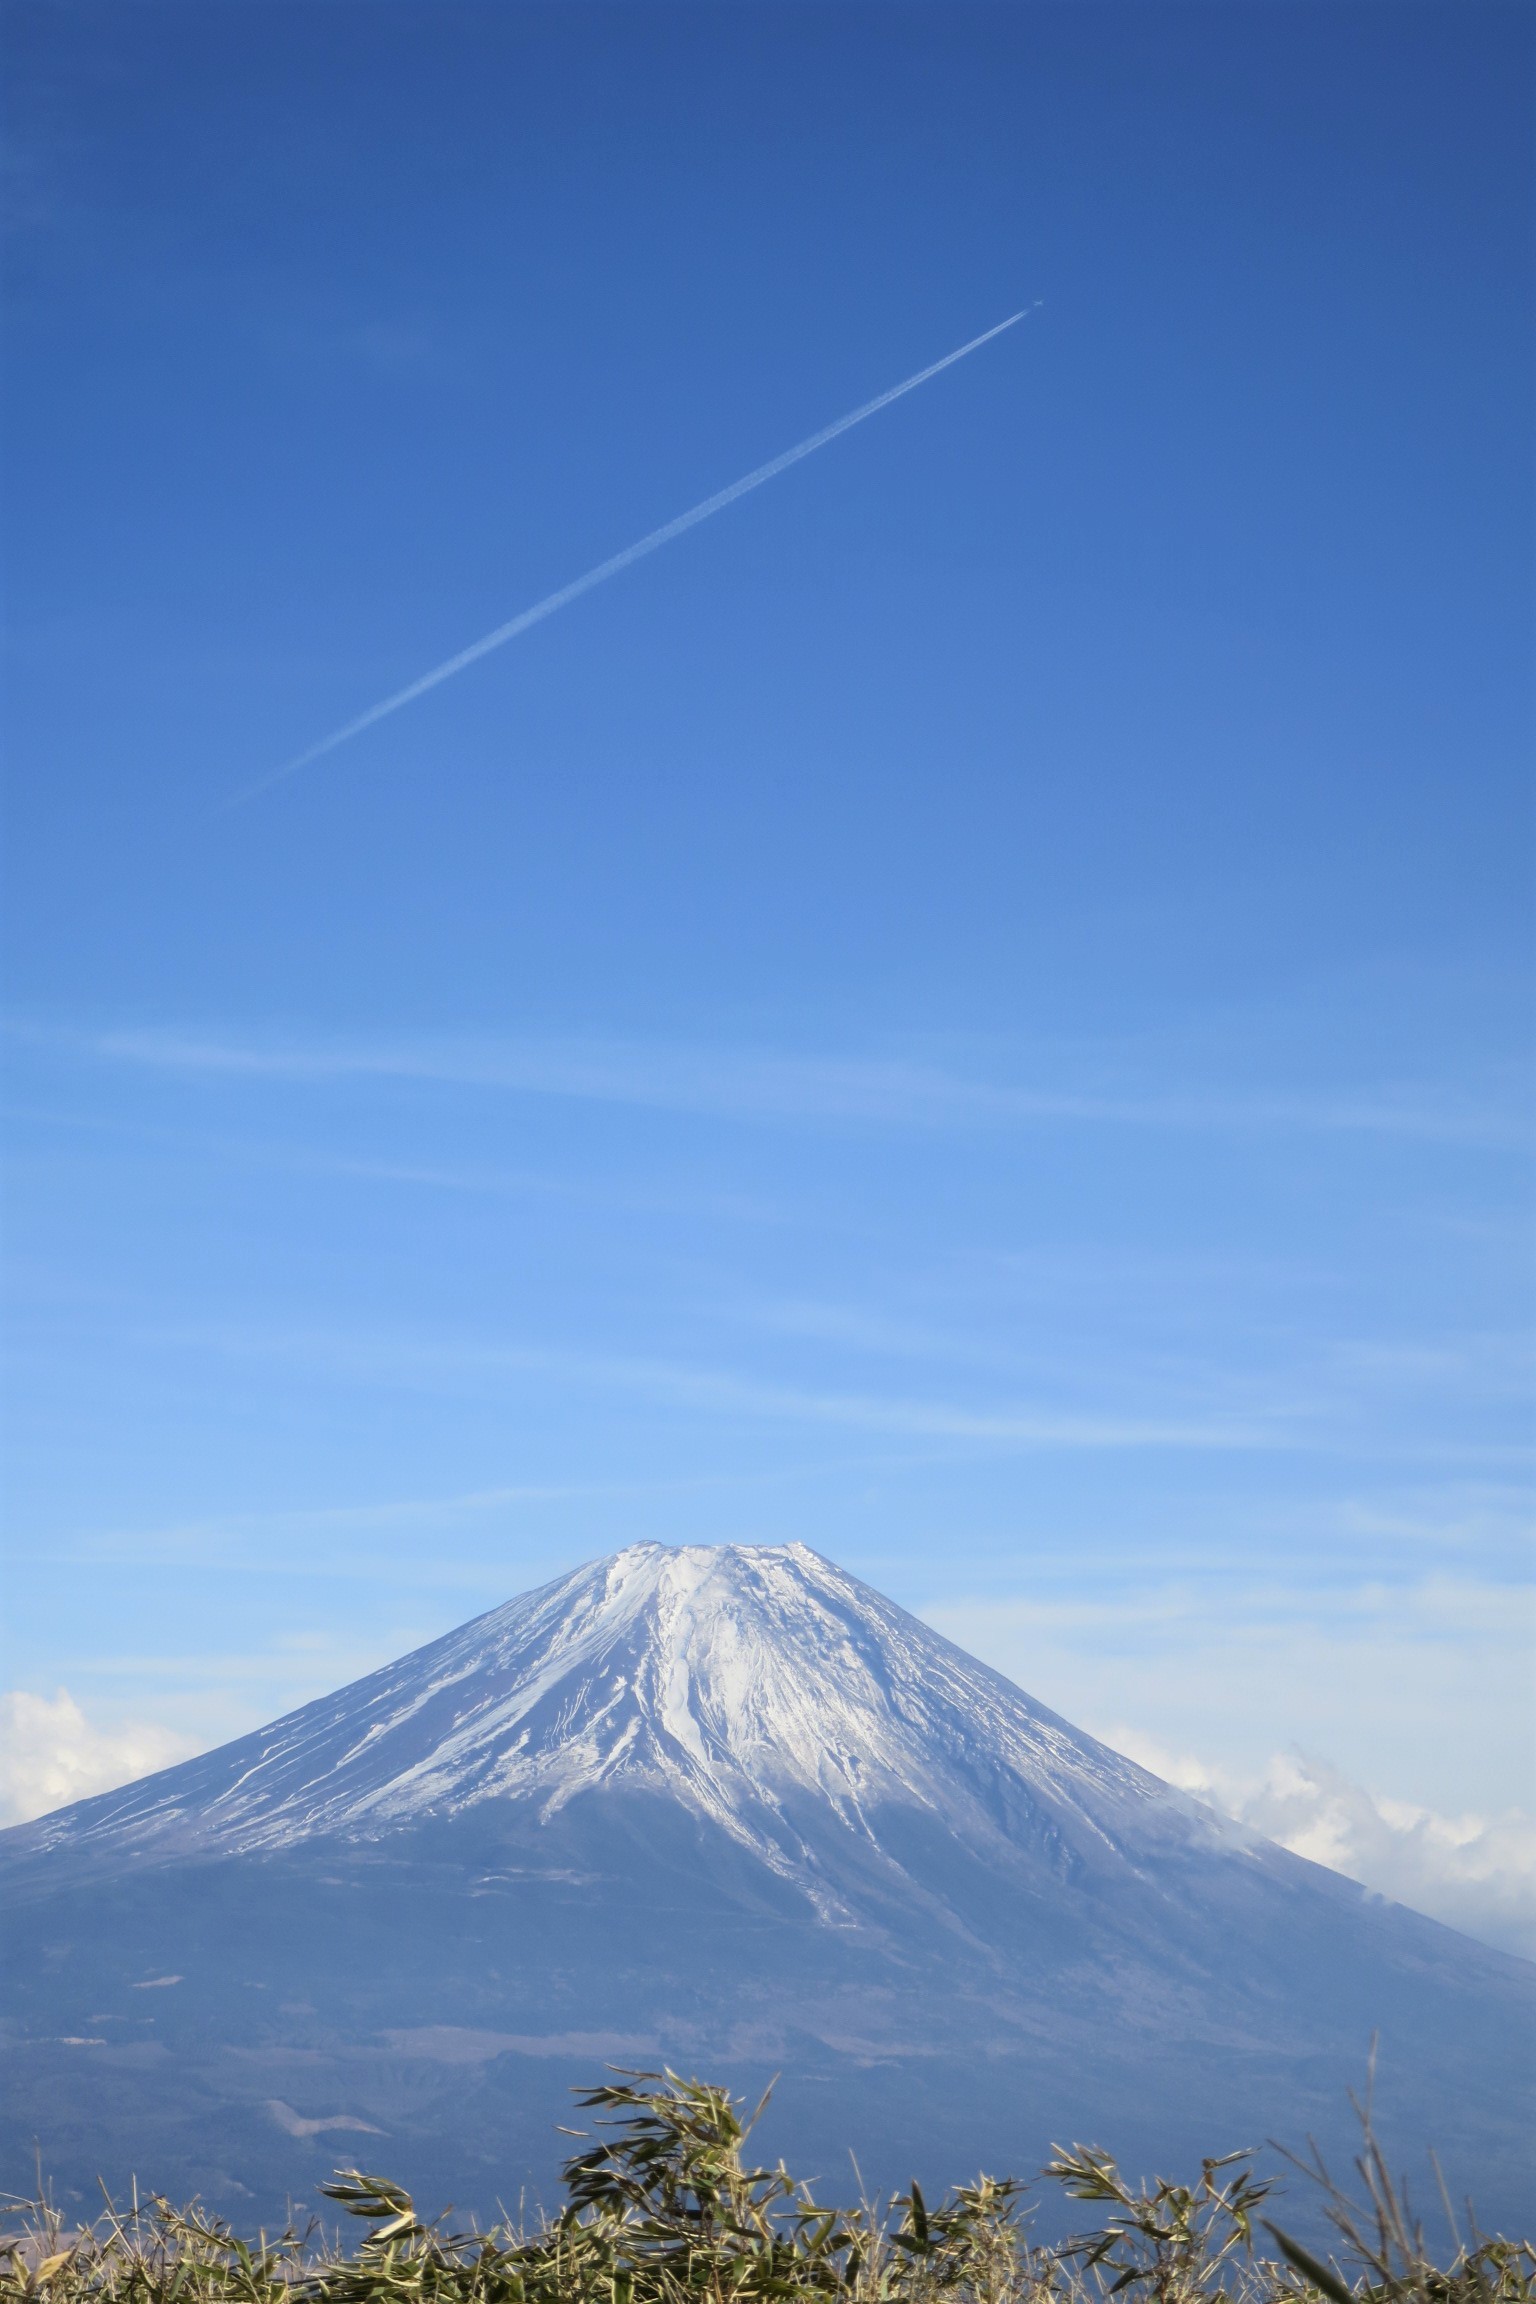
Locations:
(732, 1808)
(742, 1683)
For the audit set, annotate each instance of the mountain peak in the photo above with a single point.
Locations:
(762, 1688)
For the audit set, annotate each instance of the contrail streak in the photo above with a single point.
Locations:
(517, 625)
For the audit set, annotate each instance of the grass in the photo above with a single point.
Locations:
(664, 2207)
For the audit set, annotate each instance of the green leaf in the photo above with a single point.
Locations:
(1309, 2266)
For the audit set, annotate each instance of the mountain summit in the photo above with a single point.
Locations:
(727, 1807)
(762, 1690)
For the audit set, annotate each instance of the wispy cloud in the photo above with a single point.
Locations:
(1146, 1614)
(767, 1085)
(1492, 1516)
(1417, 1681)
(414, 1361)
(454, 1177)
(312, 1540)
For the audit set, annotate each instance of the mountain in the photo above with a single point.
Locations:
(729, 1808)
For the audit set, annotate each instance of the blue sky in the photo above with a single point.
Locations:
(974, 1011)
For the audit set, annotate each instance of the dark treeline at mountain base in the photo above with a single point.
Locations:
(662, 2207)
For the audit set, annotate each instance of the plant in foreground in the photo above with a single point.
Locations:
(664, 2207)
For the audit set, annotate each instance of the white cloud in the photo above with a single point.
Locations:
(1477, 1873)
(50, 1754)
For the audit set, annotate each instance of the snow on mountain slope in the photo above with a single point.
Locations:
(762, 1688)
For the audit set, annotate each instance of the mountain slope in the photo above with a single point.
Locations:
(738, 1682)
(728, 1806)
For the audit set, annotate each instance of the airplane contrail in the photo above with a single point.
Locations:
(515, 626)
